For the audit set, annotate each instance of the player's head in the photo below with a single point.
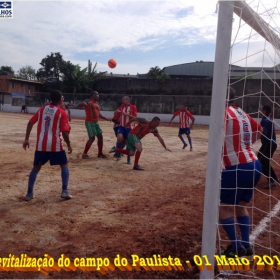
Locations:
(266, 110)
(55, 96)
(231, 100)
(155, 122)
(183, 107)
(62, 98)
(94, 96)
(126, 100)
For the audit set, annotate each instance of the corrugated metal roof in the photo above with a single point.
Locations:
(201, 68)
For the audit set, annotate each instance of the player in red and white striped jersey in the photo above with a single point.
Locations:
(52, 122)
(241, 173)
(124, 114)
(185, 127)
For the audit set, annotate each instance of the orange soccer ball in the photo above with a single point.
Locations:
(112, 63)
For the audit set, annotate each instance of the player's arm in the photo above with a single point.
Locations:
(256, 129)
(171, 119)
(65, 135)
(30, 124)
(82, 105)
(104, 118)
(191, 117)
(134, 113)
(193, 120)
(135, 119)
(27, 134)
(64, 128)
(162, 142)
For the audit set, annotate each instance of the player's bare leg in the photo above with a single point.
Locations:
(139, 149)
(100, 146)
(87, 147)
(182, 139)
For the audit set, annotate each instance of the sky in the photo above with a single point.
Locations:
(137, 34)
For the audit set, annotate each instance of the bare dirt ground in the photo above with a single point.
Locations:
(114, 210)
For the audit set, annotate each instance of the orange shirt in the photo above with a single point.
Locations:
(143, 128)
(92, 111)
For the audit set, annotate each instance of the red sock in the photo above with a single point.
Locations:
(100, 146)
(87, 147)
(137, 156)
(126, 152)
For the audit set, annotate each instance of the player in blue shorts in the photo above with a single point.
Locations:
(185, 127)
(240, 175)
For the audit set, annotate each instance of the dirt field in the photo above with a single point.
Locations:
(114, 210)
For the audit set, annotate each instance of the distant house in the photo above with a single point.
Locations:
(14, 88)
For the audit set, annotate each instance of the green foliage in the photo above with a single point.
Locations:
(8, 69)
(158, 74)
(26, 73)
(77, 80)
(162, 78)
(52, 67)
(154, 72)
(249, 75)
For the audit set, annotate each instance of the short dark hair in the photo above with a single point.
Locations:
(231, 95)
(267, 109)
(55, 96)
(93, 93)
(155, 119)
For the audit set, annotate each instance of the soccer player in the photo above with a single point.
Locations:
(24, 109)
(268, 147)
(136, 134)
(93, 128)
(65, 107)
(240, 175)
(185, 127)
(52, 121)
(125, 113)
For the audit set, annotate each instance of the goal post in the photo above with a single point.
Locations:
(224, 53)
(215, 141)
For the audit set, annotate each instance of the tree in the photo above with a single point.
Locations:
(26, 73)
(52, 67)
(77, 80)
(154, 72)
(7, 69)
(162, 78)
(93, 75)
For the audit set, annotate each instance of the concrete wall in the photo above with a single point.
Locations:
(201, 120)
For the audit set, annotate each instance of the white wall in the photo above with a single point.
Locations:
(200, 120)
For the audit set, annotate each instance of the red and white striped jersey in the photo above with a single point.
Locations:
(184, 118)
(52, 120)
(238, 147)
(131, 110)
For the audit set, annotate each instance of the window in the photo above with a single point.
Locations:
(13, 85)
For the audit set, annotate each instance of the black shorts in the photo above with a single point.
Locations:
(55, 158)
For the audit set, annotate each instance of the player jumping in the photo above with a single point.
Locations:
(136, 134)
(124, 113)
(185, 127)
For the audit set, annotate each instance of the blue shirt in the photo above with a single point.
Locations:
(268, 134)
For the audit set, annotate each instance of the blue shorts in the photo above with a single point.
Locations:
(184, 130)
(123, 131)
(239, 181)
(55, 158)
(116, 130)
